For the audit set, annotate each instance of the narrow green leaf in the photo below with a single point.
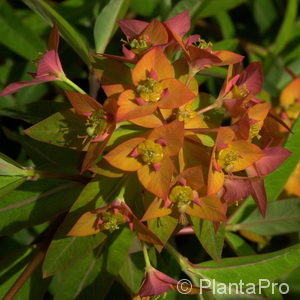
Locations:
(10, 167)
(17, 36)
(250, 269)
(287, 26)
(11, 268)
(264, 14)
(238, 244)
(68, 32)
(226, 25)
(144, 8)
(210, 240)
(61, 129)
(282, 217)
(36, 202)
(10, 183)
(192, 5)
(212, 7)
(227, 44)
(105, 25)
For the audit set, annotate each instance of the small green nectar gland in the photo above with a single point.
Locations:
(140, 45)
(96, 123)
(182, 196)
(111, 221)
(150, 90)
(227, 159)
(151, 152)
(186, 113)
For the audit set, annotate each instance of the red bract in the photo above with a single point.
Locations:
(49, 67)
(142, 36)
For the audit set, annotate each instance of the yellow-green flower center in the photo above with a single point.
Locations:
(140, 45)
(293, 110)
(111, 221)
(227, 159)
(186, 113)
(150, 90)
(254, 131)
(151, 152)
(203, 44)
(182, 196)
(240, 92)
(96, 123)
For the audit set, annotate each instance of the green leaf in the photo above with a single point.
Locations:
(69, 282)
(94, 273)
(226, 24)
(48, 157)
(35, 287)
(36, 202)
(192, 5)
(238, 244)
(132, 272)
(287, 26)
(36, 111)
(61, 129)
(145, 8)
(11, 268)
(64, 251)
(210, 240)
(65, 28)
(112, 259)
(282, 217)
(212, 7)
(94, 195)
(105, 25)
(10, 167)
(276, 181)
(264, 14)
(163, 228)
(10, 183)
(250, 269)
(16, 36)
(227, 44)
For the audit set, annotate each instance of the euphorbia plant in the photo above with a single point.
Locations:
(154, 162)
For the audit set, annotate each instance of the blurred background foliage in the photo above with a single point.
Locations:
(261, 30)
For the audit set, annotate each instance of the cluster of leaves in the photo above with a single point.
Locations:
(176, 137)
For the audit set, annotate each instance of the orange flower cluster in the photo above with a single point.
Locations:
(179, 150)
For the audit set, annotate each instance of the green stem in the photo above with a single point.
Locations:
(73, 85)
(146, 257)
(60, 175)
